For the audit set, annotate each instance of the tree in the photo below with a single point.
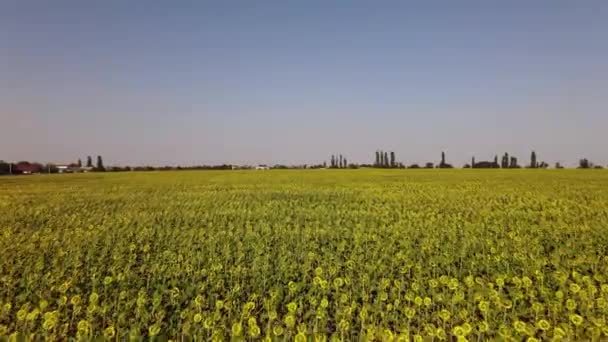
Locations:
(345, 163)
(89, 161)
(393, 159)
(496, 161)
(385, 159)
(429, 165)
(473, 162)
(513, 164)
(584, 164)
(558, 165)
(443, 164)
(100, 166)
(505, 161)
(377, 163)
(333, 161)
(50, 168)
(340, 164)
(324, 164)
(533, 164)
(5, 168)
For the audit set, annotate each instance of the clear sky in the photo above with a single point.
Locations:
(189, 82)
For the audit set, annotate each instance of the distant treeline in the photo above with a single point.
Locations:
(388, 160)
(382, 159)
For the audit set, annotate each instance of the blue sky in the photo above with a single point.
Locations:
(189, 82)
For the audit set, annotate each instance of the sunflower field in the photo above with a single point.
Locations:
(306, 255)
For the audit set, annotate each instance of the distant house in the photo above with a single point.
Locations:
(73, 168)
(262, 167)
(26, 168)
(77, 169)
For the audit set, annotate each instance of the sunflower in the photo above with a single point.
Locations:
(445, 315)
(576, 319)
(254, 331)
(84, 327)
(21, 314)
(290, 321)
(33, 315)
(75, 300)
(277, 330)
(427, 301)
(93, 298)
(410, 313)
(543, 325)
(458, 331)
(219, 304)
(109, 332)
(558, 332)
(300, 337)
(50, 320)
(441, 334)
(483, 327)
(466, 327)
(571, 304)
(43, 304)
(236, 329)
(483, 306)
(574, 288)
(519, 326)
(343, 325)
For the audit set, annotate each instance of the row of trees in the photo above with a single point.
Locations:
(99, 165)
(507, 162)
(384, 161)
(510, 163)
(338, 162)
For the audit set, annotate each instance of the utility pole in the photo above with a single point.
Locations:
(10, 168)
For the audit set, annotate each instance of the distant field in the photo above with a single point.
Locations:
(294, 255)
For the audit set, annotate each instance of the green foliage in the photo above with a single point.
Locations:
(297, 255)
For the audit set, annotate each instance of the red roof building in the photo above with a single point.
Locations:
(27, 168)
